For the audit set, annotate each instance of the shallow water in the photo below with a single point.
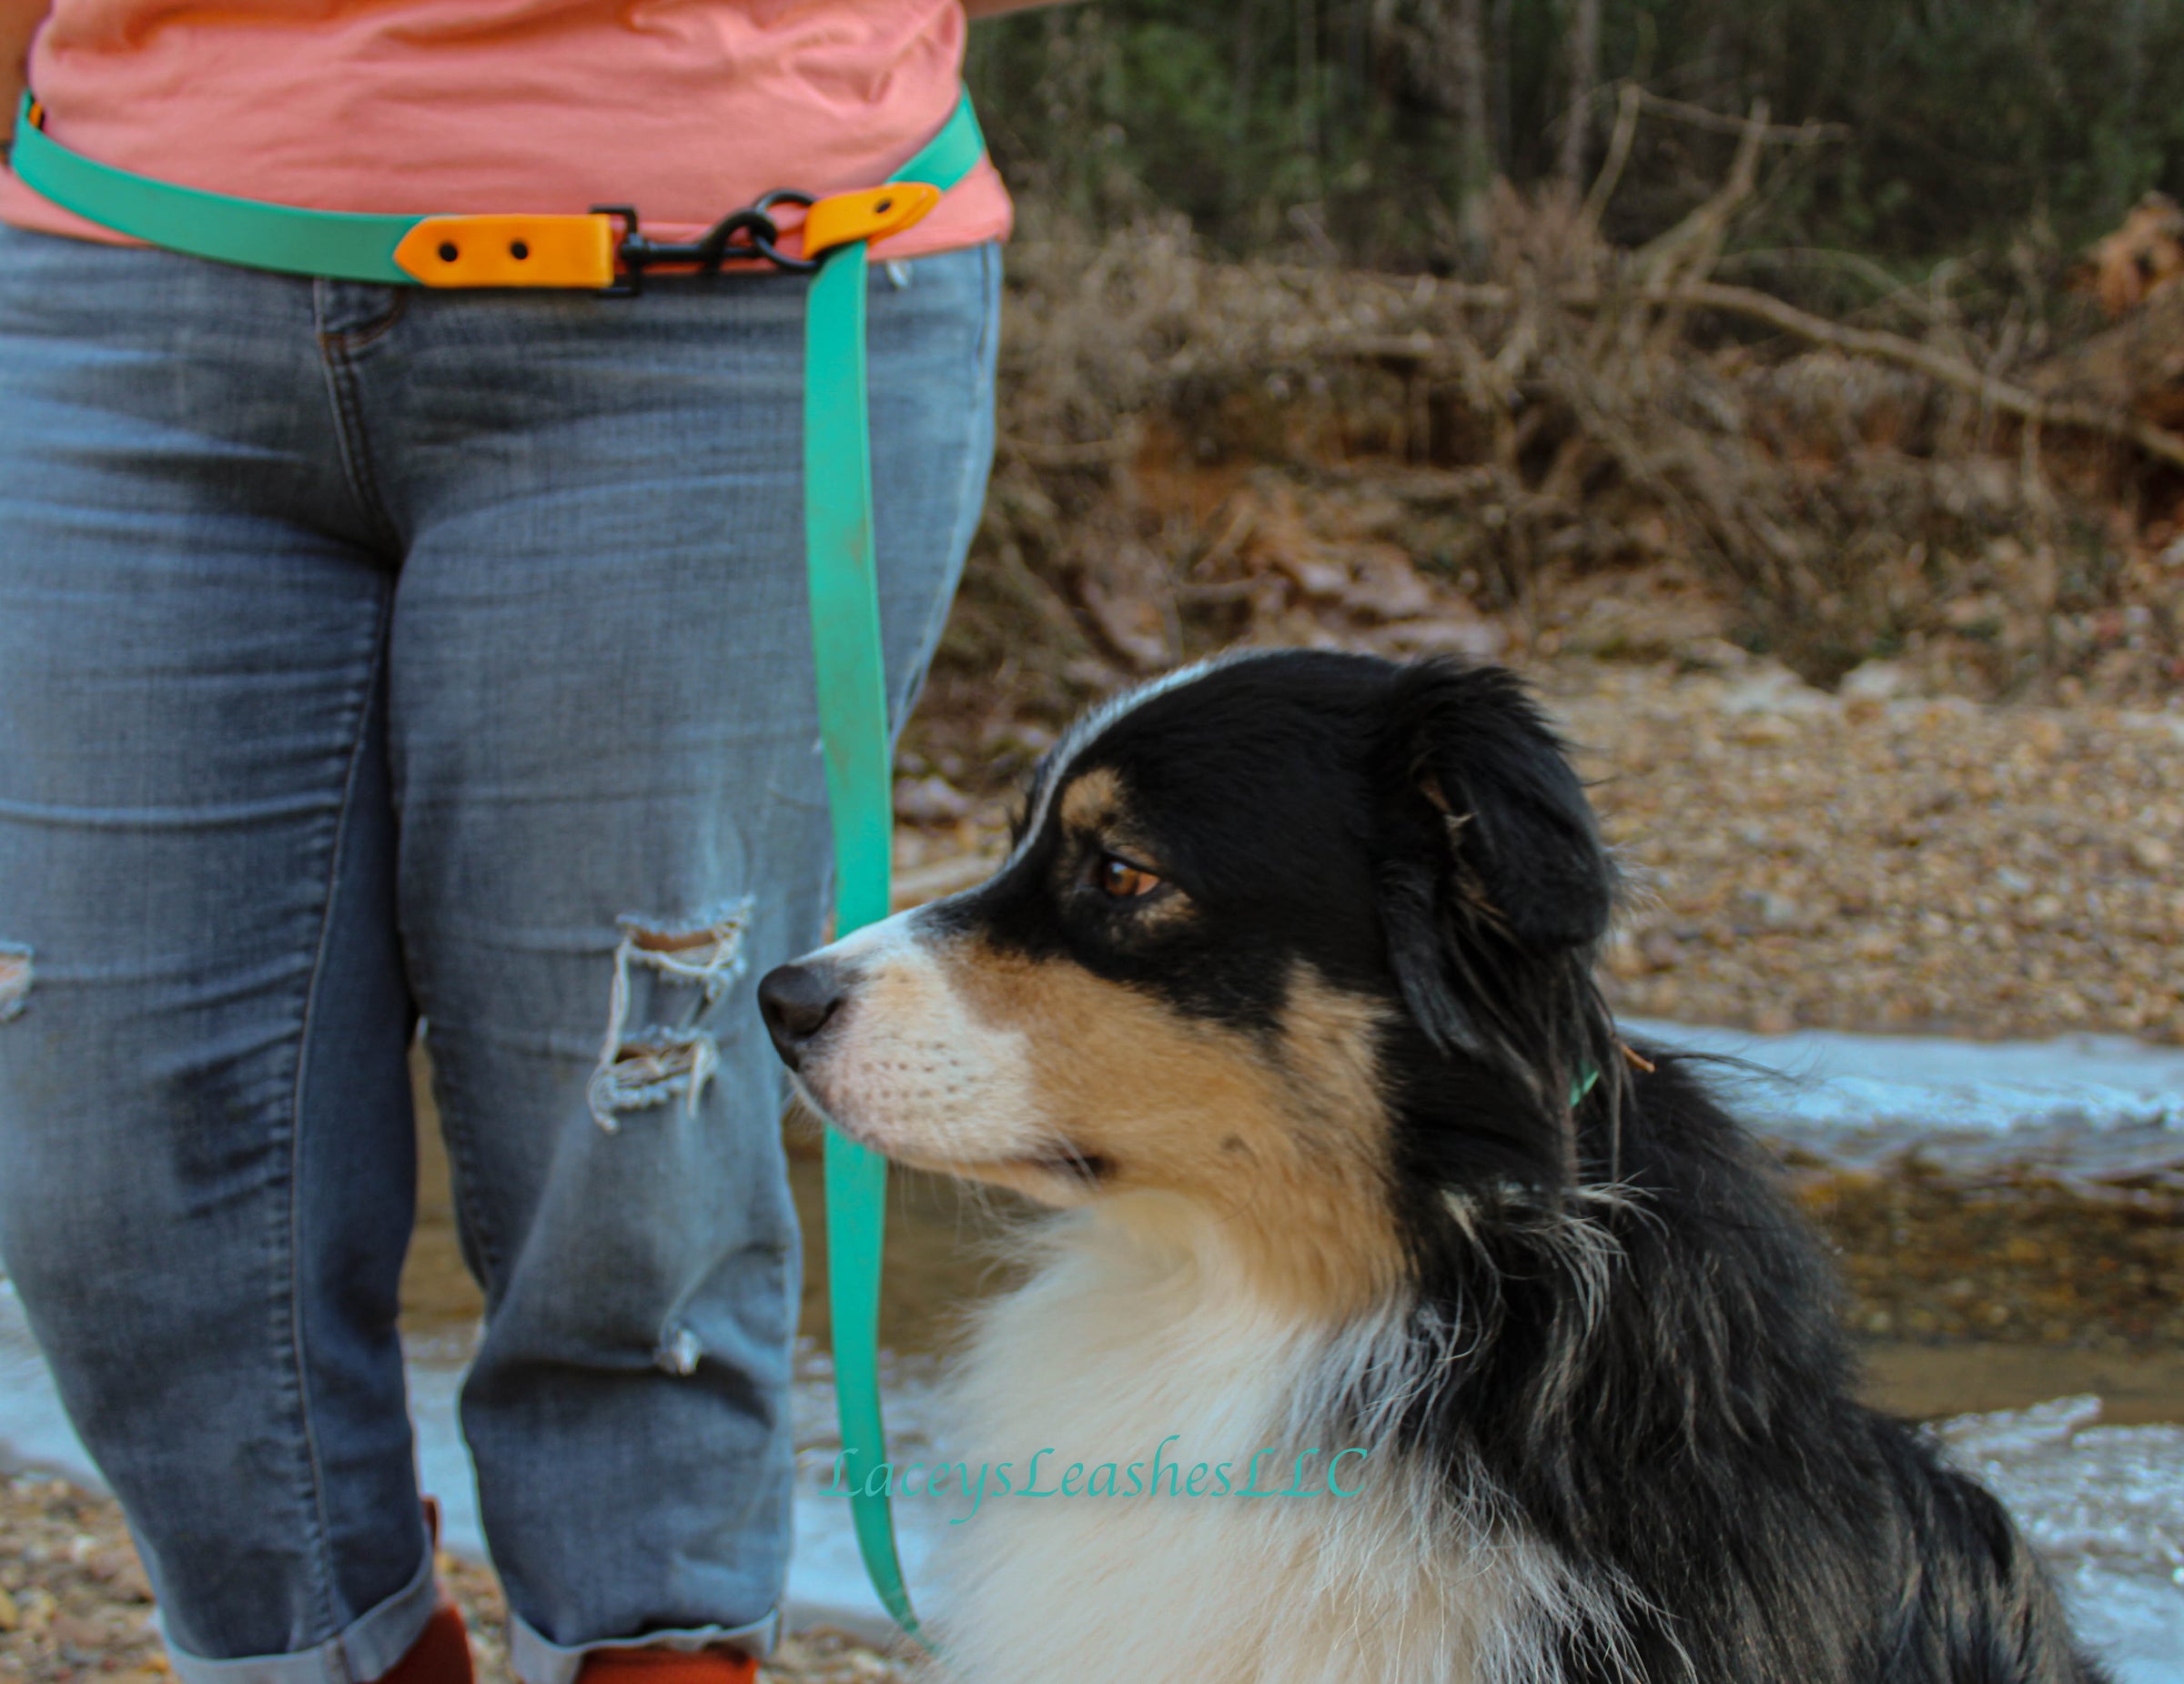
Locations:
(2105, 1506)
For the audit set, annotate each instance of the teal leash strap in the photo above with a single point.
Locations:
(210, 225)
(843, 574)
(853, 723)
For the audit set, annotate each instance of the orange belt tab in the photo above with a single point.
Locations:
(869, 214)
(509, 251)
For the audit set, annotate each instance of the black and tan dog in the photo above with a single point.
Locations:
(1285, 1000)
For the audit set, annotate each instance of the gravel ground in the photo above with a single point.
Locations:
(73, 1601)
(75, 1604)
(1803, 859)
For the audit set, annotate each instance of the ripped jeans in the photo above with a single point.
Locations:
(365, 652)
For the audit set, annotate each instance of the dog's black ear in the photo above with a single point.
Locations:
(1491, 866)
(1474, 751)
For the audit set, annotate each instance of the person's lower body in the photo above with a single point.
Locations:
(369, 651)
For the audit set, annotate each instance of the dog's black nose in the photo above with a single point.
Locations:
(797, 1001)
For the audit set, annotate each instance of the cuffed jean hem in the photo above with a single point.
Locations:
(368, 1649)
(537, 1661)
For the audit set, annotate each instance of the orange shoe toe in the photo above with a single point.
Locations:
(442, 1654)
(668, 1666)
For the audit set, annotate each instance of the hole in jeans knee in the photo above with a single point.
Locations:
(706, 951)
(652, 1063)
(15, 980)
(649, 1068)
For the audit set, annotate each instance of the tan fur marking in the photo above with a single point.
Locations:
(1092, 800)
(1287, 1146)
(1329, 1041)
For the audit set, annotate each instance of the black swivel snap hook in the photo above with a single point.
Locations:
(746, 235)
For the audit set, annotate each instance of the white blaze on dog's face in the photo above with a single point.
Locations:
(1179, 983)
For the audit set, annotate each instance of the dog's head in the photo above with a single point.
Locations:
(1296, 940)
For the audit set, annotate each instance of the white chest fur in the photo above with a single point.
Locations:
(1119, 1353)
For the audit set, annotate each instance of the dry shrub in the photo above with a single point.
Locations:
(1195, 454)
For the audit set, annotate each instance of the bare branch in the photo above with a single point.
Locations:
(1583, 41)
(1627, 105)
(1723, 123)
(1996, 393)
(1694, 244)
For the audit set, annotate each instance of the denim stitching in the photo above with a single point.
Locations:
(356, 449)
(363, 339)
(335, 348)
(295, 1330)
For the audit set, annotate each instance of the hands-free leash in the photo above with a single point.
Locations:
(605, 250)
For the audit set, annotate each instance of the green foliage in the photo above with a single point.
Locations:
(1312, 124)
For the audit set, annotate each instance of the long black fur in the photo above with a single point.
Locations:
(1633, 1336)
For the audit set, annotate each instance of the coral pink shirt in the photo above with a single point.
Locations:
(686, 108)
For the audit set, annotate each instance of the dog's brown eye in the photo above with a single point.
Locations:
(1118, 879)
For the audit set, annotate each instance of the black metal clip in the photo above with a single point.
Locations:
(746, 235)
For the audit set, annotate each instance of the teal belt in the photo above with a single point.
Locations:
(605, 249)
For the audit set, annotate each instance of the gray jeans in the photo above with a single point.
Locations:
(367, 651)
